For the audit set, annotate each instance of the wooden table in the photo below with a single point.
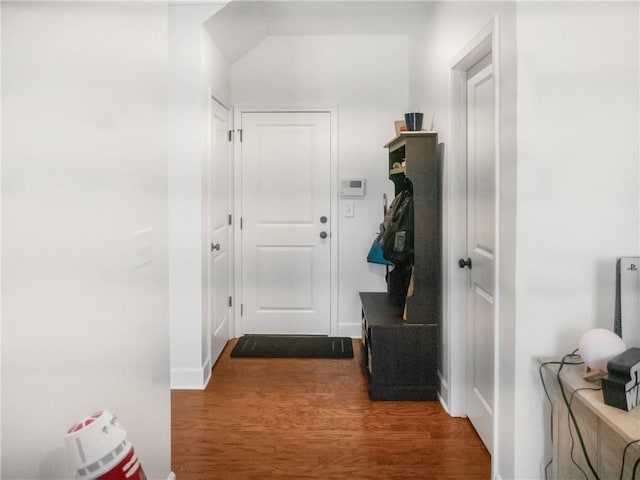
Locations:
(606, 430)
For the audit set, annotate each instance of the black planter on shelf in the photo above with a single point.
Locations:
(413, 121)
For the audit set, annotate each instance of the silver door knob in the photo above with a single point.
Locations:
(215, 247)
(323, 234)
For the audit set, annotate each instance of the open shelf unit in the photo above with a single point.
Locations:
(401, 358)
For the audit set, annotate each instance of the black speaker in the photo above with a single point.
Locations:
(621, 386)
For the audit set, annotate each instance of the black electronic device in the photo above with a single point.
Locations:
(621, 386)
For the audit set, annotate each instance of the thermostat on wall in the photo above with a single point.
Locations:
(352, 187)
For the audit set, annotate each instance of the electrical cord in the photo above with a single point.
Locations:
(624, 454)
(546, 470)
(635, 467)
(569, 426)
(572, 416)
(544, 385)
(546, 392)
(571, 419)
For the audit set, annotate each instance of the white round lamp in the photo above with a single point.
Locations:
(598, 346)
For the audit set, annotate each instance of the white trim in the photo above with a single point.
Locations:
(484, 43)
(205, 174)
(237, 173)
(477, 48)
(335, 199)
(1, 166)
(234, 218)
(495, 53)
(353, 330)
(207, 209)
(195, 2)
(237, 234)
(172, 476)
(444, 404)
(206, 373)
(443, 394)
(191, 378)
(219, 98)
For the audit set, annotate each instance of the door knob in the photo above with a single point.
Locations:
(215, 247)
(464, 263)
(323, 234)
(323, 219)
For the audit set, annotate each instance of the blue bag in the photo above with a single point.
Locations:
(375, 254)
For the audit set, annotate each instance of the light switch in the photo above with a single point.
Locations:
(348, 209)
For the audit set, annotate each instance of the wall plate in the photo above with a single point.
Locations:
(352, 187)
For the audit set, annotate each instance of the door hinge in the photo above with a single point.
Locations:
(240, 132)
(230, 217)
(230, 135)
(240, 223)
(230, 302)
(241, 309)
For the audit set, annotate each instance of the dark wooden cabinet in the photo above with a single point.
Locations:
(401, 358)
(398, 358)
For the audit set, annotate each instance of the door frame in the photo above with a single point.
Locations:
(215, 98)
(486, 42)
(333, 209)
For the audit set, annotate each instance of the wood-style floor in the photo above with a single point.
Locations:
(309, 419)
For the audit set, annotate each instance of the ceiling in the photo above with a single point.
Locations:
(241, 25)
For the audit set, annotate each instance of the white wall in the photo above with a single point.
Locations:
(448, 29)
(576, 178)
(195, 67)
(84, 301)
(574, 193)
(367, 77)
(578, 185)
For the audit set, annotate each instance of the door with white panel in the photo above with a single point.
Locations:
(286, 248)
(219, 232)
(481, 202)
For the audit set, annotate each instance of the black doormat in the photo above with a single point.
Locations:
(292, 346)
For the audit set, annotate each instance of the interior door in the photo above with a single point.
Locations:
(481, 193)
(286, 249)
(219, 231)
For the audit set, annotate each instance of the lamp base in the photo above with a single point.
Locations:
(591, 375)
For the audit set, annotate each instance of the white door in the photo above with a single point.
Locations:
(286, 162)
(219, 233)
(481, 193)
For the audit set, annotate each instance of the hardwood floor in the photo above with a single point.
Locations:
(312, 419)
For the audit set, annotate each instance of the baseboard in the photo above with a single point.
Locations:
(443, 395)
(172, 476)
(353, 330)
(442, 402)
(206, 373)
(191, 378)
